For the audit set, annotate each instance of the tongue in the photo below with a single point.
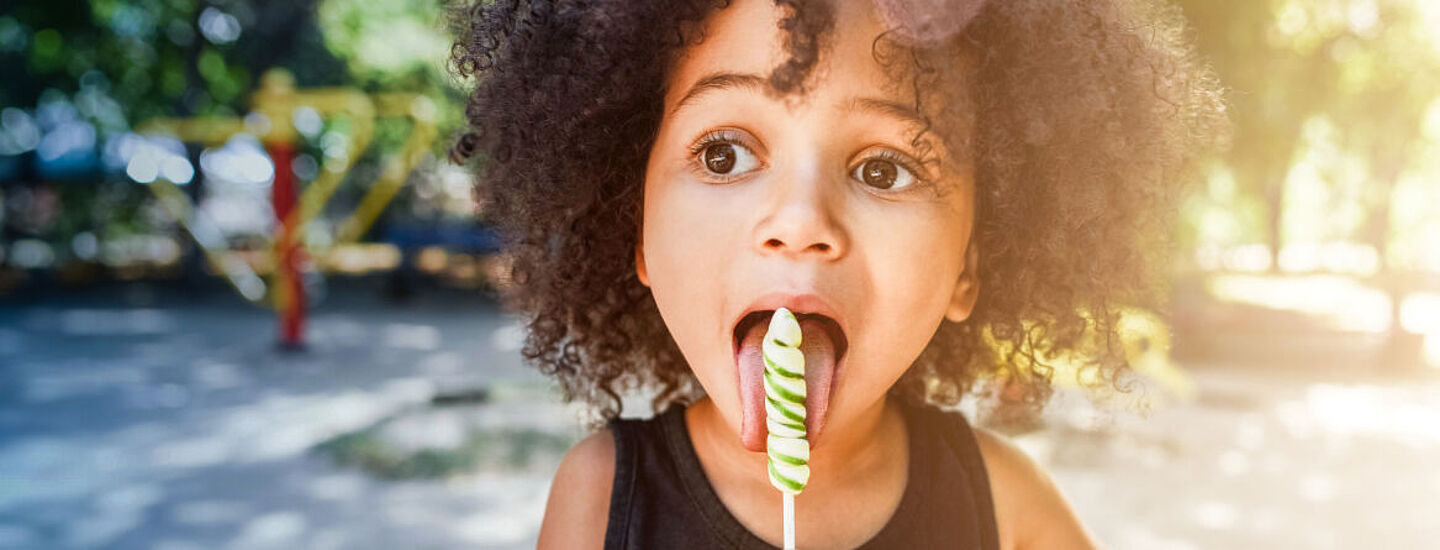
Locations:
(819, 368)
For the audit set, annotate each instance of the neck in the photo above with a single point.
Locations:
(847, 453)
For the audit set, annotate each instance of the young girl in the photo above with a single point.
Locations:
(917, 180)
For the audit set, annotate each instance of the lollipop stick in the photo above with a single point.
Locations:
(789, 521)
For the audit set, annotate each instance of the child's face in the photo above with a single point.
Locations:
(814, 197)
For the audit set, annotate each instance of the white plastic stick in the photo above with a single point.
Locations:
(789, 521)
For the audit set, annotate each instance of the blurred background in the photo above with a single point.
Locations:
(246, 303)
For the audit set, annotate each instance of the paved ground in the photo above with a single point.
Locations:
(141, 419)
(1259, 461)
(175, 424)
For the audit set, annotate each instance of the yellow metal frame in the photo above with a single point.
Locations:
(274, 105)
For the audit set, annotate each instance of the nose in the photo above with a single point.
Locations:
(803, 221)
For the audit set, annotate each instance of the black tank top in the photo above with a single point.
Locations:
(661, 498)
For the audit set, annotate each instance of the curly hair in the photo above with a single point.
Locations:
(1083, 119)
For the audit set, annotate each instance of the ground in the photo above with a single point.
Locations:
(148, 417)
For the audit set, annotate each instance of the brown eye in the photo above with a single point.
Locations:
(883, 173)
(726, 158)
(720, 158)
(878, 173)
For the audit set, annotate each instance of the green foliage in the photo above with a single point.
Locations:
(414, 45)
(188, 57)
(123, 62)
(1328, 98)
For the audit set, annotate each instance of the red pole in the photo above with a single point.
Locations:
(288, 284)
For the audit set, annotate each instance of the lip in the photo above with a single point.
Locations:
(797, 304)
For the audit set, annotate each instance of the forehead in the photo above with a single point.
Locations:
(745, 38)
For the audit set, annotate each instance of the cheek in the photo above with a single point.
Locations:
(913, 263)
(688, 231)
(689, 242)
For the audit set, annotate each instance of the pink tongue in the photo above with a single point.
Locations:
(819, 369)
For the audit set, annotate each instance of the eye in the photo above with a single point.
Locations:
(886, 170)
(720, 154)
(728, 158)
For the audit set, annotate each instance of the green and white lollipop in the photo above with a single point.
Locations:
(786, 446)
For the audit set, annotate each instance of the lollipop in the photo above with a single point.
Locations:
(786, 446)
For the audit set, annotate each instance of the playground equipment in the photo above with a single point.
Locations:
(272, 120)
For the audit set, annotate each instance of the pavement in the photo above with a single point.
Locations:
(146, 417)
(1261, 459)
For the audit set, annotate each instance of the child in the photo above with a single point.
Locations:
(916, 180)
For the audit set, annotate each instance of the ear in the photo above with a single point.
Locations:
(640, 269)
(967, 289)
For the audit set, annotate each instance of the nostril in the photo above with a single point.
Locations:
(777, 244)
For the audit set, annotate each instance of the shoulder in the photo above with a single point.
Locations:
(1029, 507)
(578, 508)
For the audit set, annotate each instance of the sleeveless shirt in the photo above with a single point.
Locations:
(661, 498)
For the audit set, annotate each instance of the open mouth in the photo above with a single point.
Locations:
(832, 329)
(824, 344)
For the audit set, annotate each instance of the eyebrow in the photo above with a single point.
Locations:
(717, 82)
(888, 108)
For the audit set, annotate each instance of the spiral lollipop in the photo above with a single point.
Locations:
(786, 446)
